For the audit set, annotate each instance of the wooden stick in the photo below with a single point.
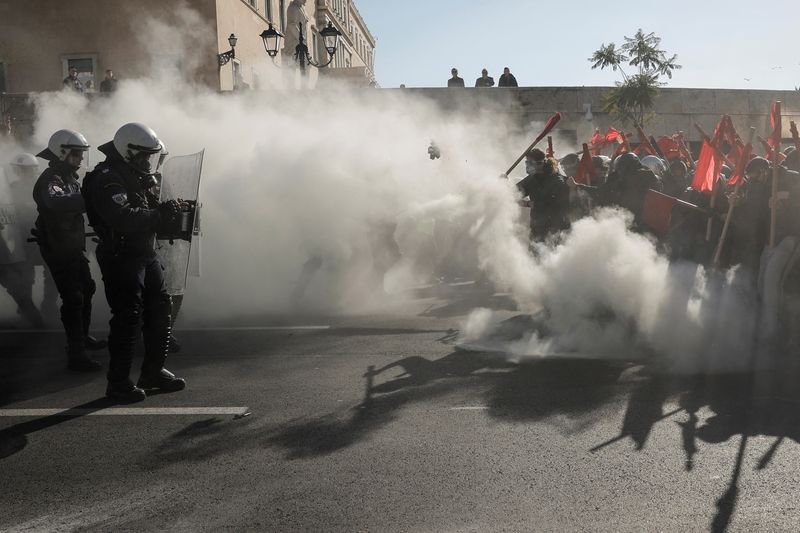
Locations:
(776, 172)
(724, 235)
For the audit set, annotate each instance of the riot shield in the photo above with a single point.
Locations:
(12, 236)
(179, 255)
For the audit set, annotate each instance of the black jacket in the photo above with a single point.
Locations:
(60, 205)
(507, 80)
(122, 213)
(550, 196)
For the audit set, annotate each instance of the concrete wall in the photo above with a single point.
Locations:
(676, 109)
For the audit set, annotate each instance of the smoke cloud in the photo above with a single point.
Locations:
(337, 176)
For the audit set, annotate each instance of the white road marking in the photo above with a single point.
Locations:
(470, 408)
(126, 411)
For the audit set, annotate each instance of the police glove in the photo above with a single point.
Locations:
(170, 218)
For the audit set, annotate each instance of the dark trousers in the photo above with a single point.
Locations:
(139, 304)
(17, 279)
(76, 287)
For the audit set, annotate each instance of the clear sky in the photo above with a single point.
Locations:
(733, 44)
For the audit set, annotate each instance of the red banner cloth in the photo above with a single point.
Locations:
(586, 172)
(708, 166)
(657, 211)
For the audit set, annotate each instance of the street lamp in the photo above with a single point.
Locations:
(302, 56)
(225, 57)
(272, 40)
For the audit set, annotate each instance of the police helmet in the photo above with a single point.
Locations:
(655, 164)
(62, 143)
(756, 165)
(626, 162)
(139, 146)
(24, 165)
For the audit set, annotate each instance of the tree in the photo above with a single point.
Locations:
(633, 98)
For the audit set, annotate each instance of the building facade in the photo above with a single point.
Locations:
(40, 40)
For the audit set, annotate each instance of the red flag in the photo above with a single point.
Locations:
(741, 164)
(644, 143)
(657, 211)
(777, 127)
(612, 135)
(708, 166)
(623, 146)
(586, 171)
(597, 142)
(669, 147)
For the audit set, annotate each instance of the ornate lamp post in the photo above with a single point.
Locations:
(302, 56)
(225, 57)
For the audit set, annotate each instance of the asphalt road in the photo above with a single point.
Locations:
(380, 423)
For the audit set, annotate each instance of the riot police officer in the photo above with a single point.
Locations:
(62, 242)
(126, 214)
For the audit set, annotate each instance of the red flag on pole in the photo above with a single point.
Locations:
(644, 143)
(586, 171)
(741, 164)
(708, 166)
(777, 127)
(623, 146)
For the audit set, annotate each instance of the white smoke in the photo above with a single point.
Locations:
(327, 174)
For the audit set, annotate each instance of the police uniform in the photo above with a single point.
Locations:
(126, 217)
(62, 242)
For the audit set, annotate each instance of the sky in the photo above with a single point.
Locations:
(734, 44)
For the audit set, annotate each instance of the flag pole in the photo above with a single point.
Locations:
(724, 235)
(775, 176)
(548, 127)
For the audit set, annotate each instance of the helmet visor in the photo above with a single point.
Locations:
(146, 162)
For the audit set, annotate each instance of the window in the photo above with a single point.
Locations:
(3, 83)
(253, 4)
(238, 81)
(86, 64)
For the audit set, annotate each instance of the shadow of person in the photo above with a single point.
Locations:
(14, 439)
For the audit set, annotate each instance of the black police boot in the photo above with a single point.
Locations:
(174, 345)
(94, 344)
(125, 391)
(78, 361)
(162, 380)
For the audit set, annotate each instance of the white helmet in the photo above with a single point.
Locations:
(25, 160)
(63, 142)
(655, 164)
(25, 166)
(139, 146)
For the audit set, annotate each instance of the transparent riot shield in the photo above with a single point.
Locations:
(180, 254)
(12, 236)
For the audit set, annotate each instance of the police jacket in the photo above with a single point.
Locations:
(550, 196)
(60, 223)
(122, 213)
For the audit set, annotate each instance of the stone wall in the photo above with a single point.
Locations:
(676, 109)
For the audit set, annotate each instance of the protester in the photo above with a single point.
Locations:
(485, 80)
(548, 195)
(675, 181)
(455, 81)
(507, 79)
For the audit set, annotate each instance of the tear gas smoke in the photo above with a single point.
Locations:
(333, 174)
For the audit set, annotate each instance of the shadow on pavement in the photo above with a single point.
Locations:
(14, 439)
